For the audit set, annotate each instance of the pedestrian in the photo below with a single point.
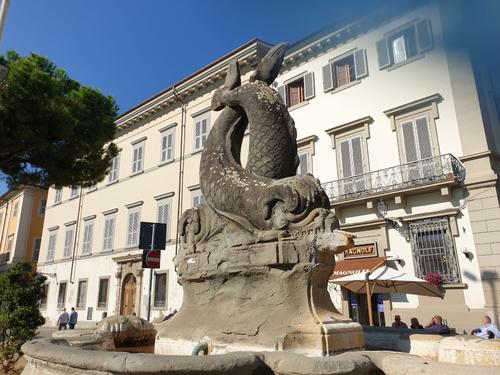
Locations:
(436, 325)
(398, 323)
(488, 330)
(415, 324)
(62, 322)
(73, 318)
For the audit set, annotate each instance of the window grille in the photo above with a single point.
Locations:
(433, 249)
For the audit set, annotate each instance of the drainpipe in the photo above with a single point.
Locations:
(181, 165)
(77, 236)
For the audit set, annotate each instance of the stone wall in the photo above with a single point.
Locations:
(484, 209)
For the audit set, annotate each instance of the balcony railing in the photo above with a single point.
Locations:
(416, 174)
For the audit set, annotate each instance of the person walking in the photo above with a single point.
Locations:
(73, 318)
(62, 322)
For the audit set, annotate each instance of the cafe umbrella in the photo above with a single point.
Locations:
(387, 280)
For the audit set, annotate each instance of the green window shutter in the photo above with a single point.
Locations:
(383, 54)
(281, 92)
(424, 35)
(309, 91)
(360, 63)
(327, 78)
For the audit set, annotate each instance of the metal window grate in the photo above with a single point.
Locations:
(433, 249)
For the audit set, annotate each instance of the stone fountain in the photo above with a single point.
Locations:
(256, 257)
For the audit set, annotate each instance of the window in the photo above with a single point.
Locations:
(305, 163)
(36, 249)
(58, 196)
(403, 44)
(102, 298)
(164, 210)
(113, 169)
(74, 192)
(345, 69)
(109, 232)
(433, 249)
(201, 125)
(82, 294)
(88, 235)
(197, 198)
(16, 208)
(138, 158)
(68, 241)
(92, 188)
(10, 243)
(133, 226)
(61, 295)
(352, 165)
(43, 207)
(160, 296)
(167, 145)
(45, 294)
(298, 90)
(416, 128)
(52, 245)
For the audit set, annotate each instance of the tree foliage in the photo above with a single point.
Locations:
(53, 130)
(21, 291)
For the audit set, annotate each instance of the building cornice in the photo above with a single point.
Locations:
(246, 55)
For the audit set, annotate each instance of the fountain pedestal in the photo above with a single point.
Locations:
(260, 297)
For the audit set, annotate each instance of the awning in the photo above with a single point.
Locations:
(354, 266)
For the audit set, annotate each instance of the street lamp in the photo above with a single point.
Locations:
(382, 208)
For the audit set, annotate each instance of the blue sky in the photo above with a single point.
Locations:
(134, 49)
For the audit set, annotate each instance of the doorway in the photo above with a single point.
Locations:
(128, 295)
(358, 308)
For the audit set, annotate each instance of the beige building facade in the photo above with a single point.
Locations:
(22, 211)
(402, 132)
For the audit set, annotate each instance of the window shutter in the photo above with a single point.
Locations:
(327, 78)
(281, 92)
(409, 142)
(360, 63)
(303, 164)
(424, 139)
(383, 54)
(345, 155)
(309, 91)
(357, 156)
(424, 35)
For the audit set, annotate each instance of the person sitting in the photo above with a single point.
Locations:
(436, 325)
(487, 331)
(398, 323)
(415, 324)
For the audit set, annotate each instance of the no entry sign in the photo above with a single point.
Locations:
(151, 258)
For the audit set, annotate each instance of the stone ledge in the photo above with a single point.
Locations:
(47, 358)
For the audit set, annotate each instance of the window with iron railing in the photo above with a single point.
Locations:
(433, 249)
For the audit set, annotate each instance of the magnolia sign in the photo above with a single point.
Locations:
(361, 251)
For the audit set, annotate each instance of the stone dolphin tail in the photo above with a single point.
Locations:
(267, 190)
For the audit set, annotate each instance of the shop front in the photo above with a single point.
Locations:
(359, 259)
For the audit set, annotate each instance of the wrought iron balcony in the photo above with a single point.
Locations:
(443, 168)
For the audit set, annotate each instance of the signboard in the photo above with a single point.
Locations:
(361, 251)
(151, 258)
(146, 236)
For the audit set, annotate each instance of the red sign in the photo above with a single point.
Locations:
(151, 258)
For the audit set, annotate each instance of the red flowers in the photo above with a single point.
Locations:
(433, 278)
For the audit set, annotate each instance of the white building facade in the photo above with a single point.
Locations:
(384, 115)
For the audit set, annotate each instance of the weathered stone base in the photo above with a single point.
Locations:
(317, 341)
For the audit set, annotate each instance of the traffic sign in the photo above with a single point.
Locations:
(146, 236)
(151, 258)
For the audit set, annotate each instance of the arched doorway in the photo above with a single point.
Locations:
(128, 295)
